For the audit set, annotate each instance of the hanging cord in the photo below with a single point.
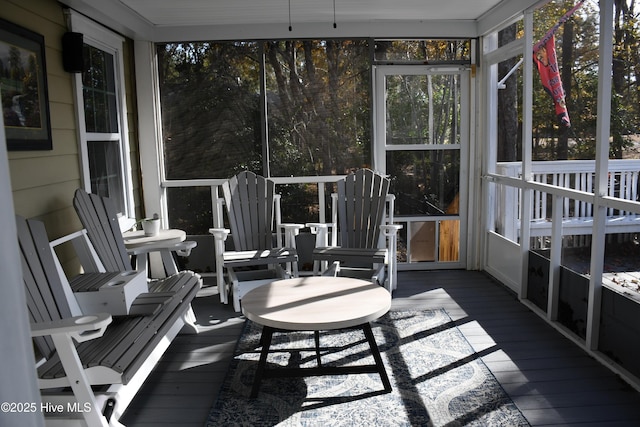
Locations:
(290, 27)
(334, 15)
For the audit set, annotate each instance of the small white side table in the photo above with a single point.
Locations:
(160, 244)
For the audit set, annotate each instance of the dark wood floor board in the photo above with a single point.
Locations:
(173, 416)
(517, 330)
(631, 423)
(582, 414)
(579, 398)
(210, 363)
(183, 389)
(543, 375)
(194, 402)
(501, 362)
(595, 385)
(517, 350)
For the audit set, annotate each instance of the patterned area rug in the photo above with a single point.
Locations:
(437, 379)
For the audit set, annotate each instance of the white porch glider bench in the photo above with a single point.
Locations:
(577, 216)
(94, 363)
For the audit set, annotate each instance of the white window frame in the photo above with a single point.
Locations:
(101, 38)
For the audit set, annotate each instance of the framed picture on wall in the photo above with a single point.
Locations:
(23, 88)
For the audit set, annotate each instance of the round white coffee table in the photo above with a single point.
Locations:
(316, 304)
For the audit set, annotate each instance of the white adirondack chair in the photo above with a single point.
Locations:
(102, 359)
(259, 254)
(99, 217)
(363, 236)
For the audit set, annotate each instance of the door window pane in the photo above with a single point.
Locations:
(423, 241)
(423, 109)
(449, 250)
(106, 171)
(98, 86)
(425, 182)
(431, 241)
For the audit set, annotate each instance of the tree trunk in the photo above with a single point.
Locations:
(507, 104)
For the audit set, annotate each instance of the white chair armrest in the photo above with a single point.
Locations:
(219, 237)
(220, 233)
(390, 232)
(181, 247)
(315, 227)
(390, 229)
(295, 228)
(80, 328)
(321, 230)
(184, 248)
(290, 233)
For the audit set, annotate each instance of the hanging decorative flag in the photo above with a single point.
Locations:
(544, 55)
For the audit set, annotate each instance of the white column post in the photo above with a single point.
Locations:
(605, 62)
(527, 193)
(17, 370)
(150, 131)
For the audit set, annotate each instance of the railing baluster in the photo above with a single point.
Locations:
(589, 189)
(627, 188)
(578, 176)
(611, 190)
(543, 199)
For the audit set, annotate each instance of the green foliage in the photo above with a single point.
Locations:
(317, 94)
(582, 87)
(423, 51)
(318, 106)
(210, 109)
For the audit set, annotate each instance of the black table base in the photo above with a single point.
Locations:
(262, 372)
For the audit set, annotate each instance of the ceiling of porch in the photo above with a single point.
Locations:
(171, 20)
(244, 12)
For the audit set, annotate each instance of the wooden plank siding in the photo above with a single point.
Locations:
(43, 182)
(553, 382)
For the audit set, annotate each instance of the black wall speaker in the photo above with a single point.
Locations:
(72, 52)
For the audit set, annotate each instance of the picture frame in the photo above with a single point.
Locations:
(23, 89)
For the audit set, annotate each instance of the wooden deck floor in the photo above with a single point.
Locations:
(551, 380)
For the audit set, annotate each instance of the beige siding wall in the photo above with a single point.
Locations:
(43, 182)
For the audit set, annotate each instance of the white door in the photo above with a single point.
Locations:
(422, 143)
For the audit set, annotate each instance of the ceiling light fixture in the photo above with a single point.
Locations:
(290, 27)
(334, 15)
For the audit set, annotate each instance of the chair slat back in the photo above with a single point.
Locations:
(100, 218)
(46, 300)
(249, 201)
(361, 208)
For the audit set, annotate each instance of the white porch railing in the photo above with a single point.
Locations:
(577, 215)
(214, 184)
